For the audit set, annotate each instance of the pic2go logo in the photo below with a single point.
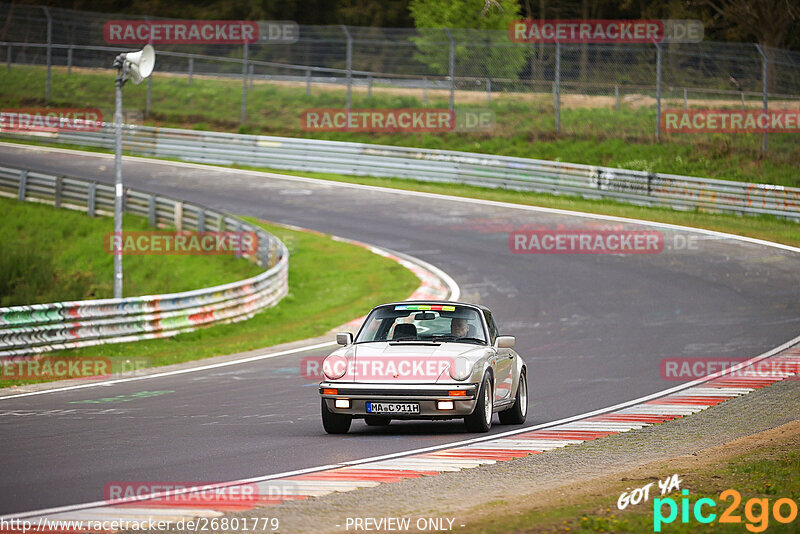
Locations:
(756, 511)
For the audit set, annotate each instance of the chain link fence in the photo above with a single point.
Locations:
(463, 66)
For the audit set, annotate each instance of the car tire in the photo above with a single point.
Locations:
(517, 413)
(377, 420)
(481, 419)
(335, 423)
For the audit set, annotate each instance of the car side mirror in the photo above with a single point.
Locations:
(505, 342)
(344, 338)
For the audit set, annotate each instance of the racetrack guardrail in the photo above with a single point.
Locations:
(446, 166)
(38, 328)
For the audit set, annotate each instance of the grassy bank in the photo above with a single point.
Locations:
(766, 473)
(50, 255)
(524, 126)
(330, 283)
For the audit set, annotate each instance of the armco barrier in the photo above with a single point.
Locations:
(636, 187)
(28, 330)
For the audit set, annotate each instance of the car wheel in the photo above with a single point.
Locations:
(481, 419)
(335, 423)
(377, 420)
(517, 413)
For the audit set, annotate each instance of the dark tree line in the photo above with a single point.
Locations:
(773, 23)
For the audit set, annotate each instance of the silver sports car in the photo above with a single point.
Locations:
(424, 360)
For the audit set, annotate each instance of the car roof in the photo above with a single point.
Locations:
(437, 302)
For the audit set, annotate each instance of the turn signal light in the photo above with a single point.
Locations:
(328, 391)
(457, 393)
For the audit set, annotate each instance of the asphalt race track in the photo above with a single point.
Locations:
(592, 328)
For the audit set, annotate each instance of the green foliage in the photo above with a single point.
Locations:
(50, 255)
(476, 53)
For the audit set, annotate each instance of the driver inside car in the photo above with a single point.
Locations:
(459, 327)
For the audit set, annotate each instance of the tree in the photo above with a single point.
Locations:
(477, 53)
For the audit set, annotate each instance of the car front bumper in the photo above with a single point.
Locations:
(426, 395)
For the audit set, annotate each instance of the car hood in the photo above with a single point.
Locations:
(384, 362)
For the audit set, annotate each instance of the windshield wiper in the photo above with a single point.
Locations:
(457, 339)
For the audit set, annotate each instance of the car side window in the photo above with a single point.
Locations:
(492, 327)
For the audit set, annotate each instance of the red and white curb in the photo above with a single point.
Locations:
(678, 402)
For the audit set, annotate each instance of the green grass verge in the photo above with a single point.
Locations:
(330, 283)
(770, 473)
(525, 125)
(49, 255)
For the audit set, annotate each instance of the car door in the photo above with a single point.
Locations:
(504, 363)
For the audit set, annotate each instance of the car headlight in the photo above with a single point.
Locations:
(460, 368)
(334, 366)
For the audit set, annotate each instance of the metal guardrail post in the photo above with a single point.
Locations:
(57, 191)
(201, 220)
(764, 86)
(452, 68)
(191, 69)
(49, 51)
(245, 53)
(658, 91)
(23, 183)
(177, 219)
(349, 67)
(557, 88)
(151, 211)
(91, 201)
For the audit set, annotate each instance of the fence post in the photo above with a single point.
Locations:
(191, 69)
(369, 85)
(658, 91)
(49, 52)
(488, 90)
(452, 68)
(425, 91)
(685, 99)
(308, 82)
(764, 89)
(349, 69)
(557, 88)
(92, 200)
(616, 98)
(149, 100)
(245, 52)
(69, 61)
(742, 100)
(23, 183)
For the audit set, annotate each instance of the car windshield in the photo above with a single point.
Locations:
(423, 322)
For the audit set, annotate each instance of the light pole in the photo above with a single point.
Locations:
(135, 66)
